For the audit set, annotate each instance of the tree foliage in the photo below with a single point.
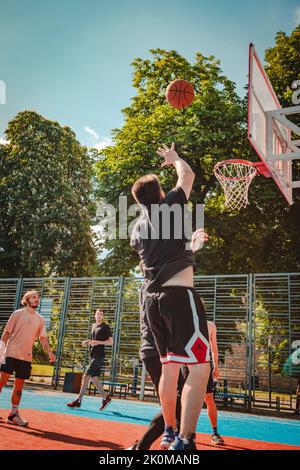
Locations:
(45, 195)
(262, 237)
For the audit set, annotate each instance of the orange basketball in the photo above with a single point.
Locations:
(179, 94)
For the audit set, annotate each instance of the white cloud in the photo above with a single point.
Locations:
(297, 15)
(104, 142)
(91, 132)
(3, 141)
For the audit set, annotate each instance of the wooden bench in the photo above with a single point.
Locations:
(228, 399)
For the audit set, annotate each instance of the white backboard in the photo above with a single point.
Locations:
(268, 138)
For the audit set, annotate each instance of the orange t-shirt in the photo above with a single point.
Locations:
(24, 328)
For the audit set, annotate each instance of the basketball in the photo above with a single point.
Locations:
(180, 94)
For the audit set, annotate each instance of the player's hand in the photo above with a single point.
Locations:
(216, 375)
(169, 154)
(86, 342)
(51, 357)
(199, 237)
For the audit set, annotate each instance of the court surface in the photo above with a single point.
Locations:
(52, 425)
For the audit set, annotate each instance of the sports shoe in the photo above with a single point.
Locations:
(167, 438)
(183, 444)
(134, 446)
(216, 439)
(74, 404)
(105, 402)
(16, 419)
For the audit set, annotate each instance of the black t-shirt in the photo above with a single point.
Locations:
(159, 239)
(99, 333)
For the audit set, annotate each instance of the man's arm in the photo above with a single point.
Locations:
(185, 174)
(46, 347)
(5, 337)
(107, 342)
(214, 350)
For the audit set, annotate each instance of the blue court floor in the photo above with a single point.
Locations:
(261, 428)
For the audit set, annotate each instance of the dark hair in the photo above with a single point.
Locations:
(146, 190)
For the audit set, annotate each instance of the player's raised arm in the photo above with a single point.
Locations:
(185, 174)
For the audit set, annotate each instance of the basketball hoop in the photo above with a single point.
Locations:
(235, 177)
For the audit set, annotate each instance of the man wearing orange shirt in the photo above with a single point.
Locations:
(22, 329)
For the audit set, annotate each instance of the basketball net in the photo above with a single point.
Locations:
(235, 177)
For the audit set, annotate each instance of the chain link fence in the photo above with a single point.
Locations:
(257, 318)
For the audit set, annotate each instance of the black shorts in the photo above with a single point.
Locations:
(177, 319)
(211, 385)
(94, 368)
(22, 369)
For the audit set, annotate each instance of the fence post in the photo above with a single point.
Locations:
(116, 343)
(143, 379)
(250, 339)
(60, 341)
(18, 293)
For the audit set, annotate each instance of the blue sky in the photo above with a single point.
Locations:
(70, 59)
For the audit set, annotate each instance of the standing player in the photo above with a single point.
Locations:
(22, 329)
(173, 309)
(213, 379)
(101, 336)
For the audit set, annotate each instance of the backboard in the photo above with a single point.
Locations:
(269, 137)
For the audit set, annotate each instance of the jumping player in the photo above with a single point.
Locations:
(174, 311)
(101, 336)
(151, 360)
(22, 329)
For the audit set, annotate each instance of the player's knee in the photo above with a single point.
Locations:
(200, 369)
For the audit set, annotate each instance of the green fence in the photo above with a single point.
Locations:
(257, 318)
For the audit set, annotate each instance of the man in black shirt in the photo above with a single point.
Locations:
(173, 309)
(101, 336)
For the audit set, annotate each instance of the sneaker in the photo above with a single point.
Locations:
(74, 404)
(167, 438)
(133, 446)
(216, 439)
(183, 444)
(105, 402)
(16, 419)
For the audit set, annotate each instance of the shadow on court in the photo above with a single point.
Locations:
(60, 437)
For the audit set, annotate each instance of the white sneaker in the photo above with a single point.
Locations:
(16, 419)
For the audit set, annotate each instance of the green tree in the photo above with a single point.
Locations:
(283, 64)
(211, 129)
(271, 339)
(45, 195)
(262, 237)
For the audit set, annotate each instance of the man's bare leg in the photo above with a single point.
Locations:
(168, 393)
(99, 387)
(213, 417)
(84, 386)
(211, 409)
(3, 379)
(193, 394)
(16, 395)
(14, 417)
